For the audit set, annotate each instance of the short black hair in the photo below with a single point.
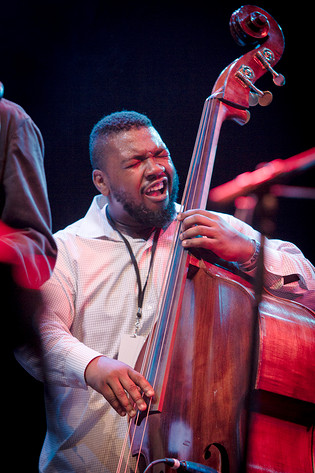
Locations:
(113, 124)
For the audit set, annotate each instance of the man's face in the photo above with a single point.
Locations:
(141, 179)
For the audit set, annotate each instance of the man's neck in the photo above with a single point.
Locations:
(134, 230)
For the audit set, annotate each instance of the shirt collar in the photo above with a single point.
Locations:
(95, 223)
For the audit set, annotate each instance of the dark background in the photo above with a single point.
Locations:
(69, 63)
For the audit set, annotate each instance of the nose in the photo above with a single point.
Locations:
(153, 168)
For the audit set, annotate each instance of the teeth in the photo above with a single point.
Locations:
(155, 188)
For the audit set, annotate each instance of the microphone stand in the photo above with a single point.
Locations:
(266, 207)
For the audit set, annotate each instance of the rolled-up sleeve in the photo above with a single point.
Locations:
(287, 271)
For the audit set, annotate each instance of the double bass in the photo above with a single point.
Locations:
(234, 380)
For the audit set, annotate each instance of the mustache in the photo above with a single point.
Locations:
(145, 216)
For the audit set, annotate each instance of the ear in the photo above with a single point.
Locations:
(100, 181)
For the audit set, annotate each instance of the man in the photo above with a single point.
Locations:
(27, 257)
(106, 287)
(27, 248)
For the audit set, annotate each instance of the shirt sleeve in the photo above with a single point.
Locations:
(26, 240)
(64, 358)
(287, 271)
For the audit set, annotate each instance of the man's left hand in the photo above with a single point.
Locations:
(204, 229)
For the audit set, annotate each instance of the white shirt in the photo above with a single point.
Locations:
(90, 301)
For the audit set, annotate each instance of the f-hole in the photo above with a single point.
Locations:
(215, 450)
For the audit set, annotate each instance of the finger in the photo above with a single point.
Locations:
(183, 215)
(142, 383)
(190, 216)
(111, 398)
(198, 219)
(188, 213)
(198, 231)
(133, 385)
(135, 396)
(198, 242)
(120, 400)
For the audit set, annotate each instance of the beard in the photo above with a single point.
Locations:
(141, 214)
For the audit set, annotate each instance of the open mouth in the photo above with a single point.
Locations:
(157, 190)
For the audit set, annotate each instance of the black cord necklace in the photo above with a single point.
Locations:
(141, 290)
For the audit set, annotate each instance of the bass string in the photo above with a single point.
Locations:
(146, 362)
(152, 337)
(142, 437)
(151, 346)
(190, 184)
(189, 190)
(151, 342)
(122, 453)
(126, 443)
(193, 180)
(125, 446)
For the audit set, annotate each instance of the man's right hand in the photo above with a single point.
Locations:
(120, 384)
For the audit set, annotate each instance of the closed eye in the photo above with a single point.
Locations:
(136, 160)
(163, 153)
(133, 164)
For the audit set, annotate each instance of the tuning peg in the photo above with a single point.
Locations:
(264, 98)
(253, 99)
(266, 57)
